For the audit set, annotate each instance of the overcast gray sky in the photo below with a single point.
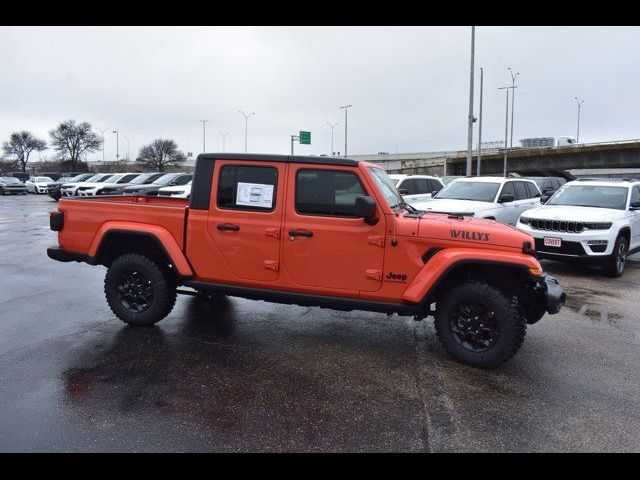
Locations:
(407, 84)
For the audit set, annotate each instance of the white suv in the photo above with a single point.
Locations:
(496, 198)
(590, 219)
(416, 188)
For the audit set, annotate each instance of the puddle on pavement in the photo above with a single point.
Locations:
(585, 302)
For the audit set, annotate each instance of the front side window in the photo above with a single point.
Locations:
(463, 190)
(243, 187)
(591, 196)
(327, 192)
(386, 186)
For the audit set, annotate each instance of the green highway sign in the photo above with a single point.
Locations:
(305, 138)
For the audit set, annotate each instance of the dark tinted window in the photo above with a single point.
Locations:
(181, 180)
(635, 194)
(128, 178)
(434, 185)
(531, 190)
(508, 189)
(327, 192)
(247, 188)
(521, 191)
(422, 185)
(410, 186)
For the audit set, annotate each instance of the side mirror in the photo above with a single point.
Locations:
(506, 198)
(366, 208)
(403, 191)
(634, 206)
(544, 198)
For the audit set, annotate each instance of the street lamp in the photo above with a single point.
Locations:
(332, 126)
(513, 99)
(246, 126)
(346, 116)
(223, 134)
(102, 130)
(204, 124)
(470, 118)
(506, 127)
(127, 139)
(117, 145)
(579, 102)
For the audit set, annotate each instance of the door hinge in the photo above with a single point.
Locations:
(273, 232)
(374, 275)
(376, 240)
(272, 265)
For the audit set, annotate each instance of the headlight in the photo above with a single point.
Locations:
(525, 220)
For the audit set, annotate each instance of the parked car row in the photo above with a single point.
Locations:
(591, 220)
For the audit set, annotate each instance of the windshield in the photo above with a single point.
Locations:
(164, 179)
(476, 191)
(591, 196)
(386, 186)
(10, 181)
(108, 178)
(145, 178)
(43, 179)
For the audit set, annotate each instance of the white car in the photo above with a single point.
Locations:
(416, 188)
(71, 189)
(496, 198)
(38, 184)
(590, 220)
(88, 189)
(177, 191)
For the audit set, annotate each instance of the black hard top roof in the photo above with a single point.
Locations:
(258, 157)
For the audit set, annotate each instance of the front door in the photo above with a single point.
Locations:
(324, 244)
(245, 219)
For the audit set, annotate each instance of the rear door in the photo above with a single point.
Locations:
(245, 219)
(326, 246)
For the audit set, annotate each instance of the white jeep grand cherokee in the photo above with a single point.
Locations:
(588, 219)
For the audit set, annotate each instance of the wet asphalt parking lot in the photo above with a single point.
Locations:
(241, 375)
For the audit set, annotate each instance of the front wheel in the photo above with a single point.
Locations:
(138, 291)
(616, 263)
(479, 325)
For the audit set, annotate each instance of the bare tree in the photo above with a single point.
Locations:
(160, 154)
(21, 144)
(73, 140)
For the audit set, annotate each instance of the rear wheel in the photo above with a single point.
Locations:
(479, 325)
(616, 263)
(138, 291)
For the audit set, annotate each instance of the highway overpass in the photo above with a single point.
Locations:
(603, 156)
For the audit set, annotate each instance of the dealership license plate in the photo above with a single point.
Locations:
(552, 242)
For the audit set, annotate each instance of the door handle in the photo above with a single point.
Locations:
(300, 233)
(228, 227)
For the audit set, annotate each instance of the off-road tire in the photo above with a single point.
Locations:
(507, 315)
(162, 285)
(614, 267)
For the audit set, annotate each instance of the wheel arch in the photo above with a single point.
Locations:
(160, 246)
(626, 232)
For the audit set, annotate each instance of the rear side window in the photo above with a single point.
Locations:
(243, 187)
(422, 185)
(327, 192)
(521, 191)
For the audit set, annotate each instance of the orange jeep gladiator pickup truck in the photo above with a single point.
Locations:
(314, 231)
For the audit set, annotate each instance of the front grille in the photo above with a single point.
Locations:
(567, 248)
(557, 225)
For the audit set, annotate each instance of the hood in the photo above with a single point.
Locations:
(452, 206)
(464, 232)
(85, 184)
(176, 188)
(574, 214)
(143, 187)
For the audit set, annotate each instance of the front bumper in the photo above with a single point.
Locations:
(589, 244)
(555, 295)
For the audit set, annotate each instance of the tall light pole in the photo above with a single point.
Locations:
(480, 123)
(117, 145)
(224, 135)
(127, 139)
(513, 100)
(204, 130)
(246, 126)
(579, 102)
(470, 117)
(102, 130)
(346, 117)
(332, 126)
(506, 127)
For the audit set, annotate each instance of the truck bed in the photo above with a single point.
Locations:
(85, 217)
